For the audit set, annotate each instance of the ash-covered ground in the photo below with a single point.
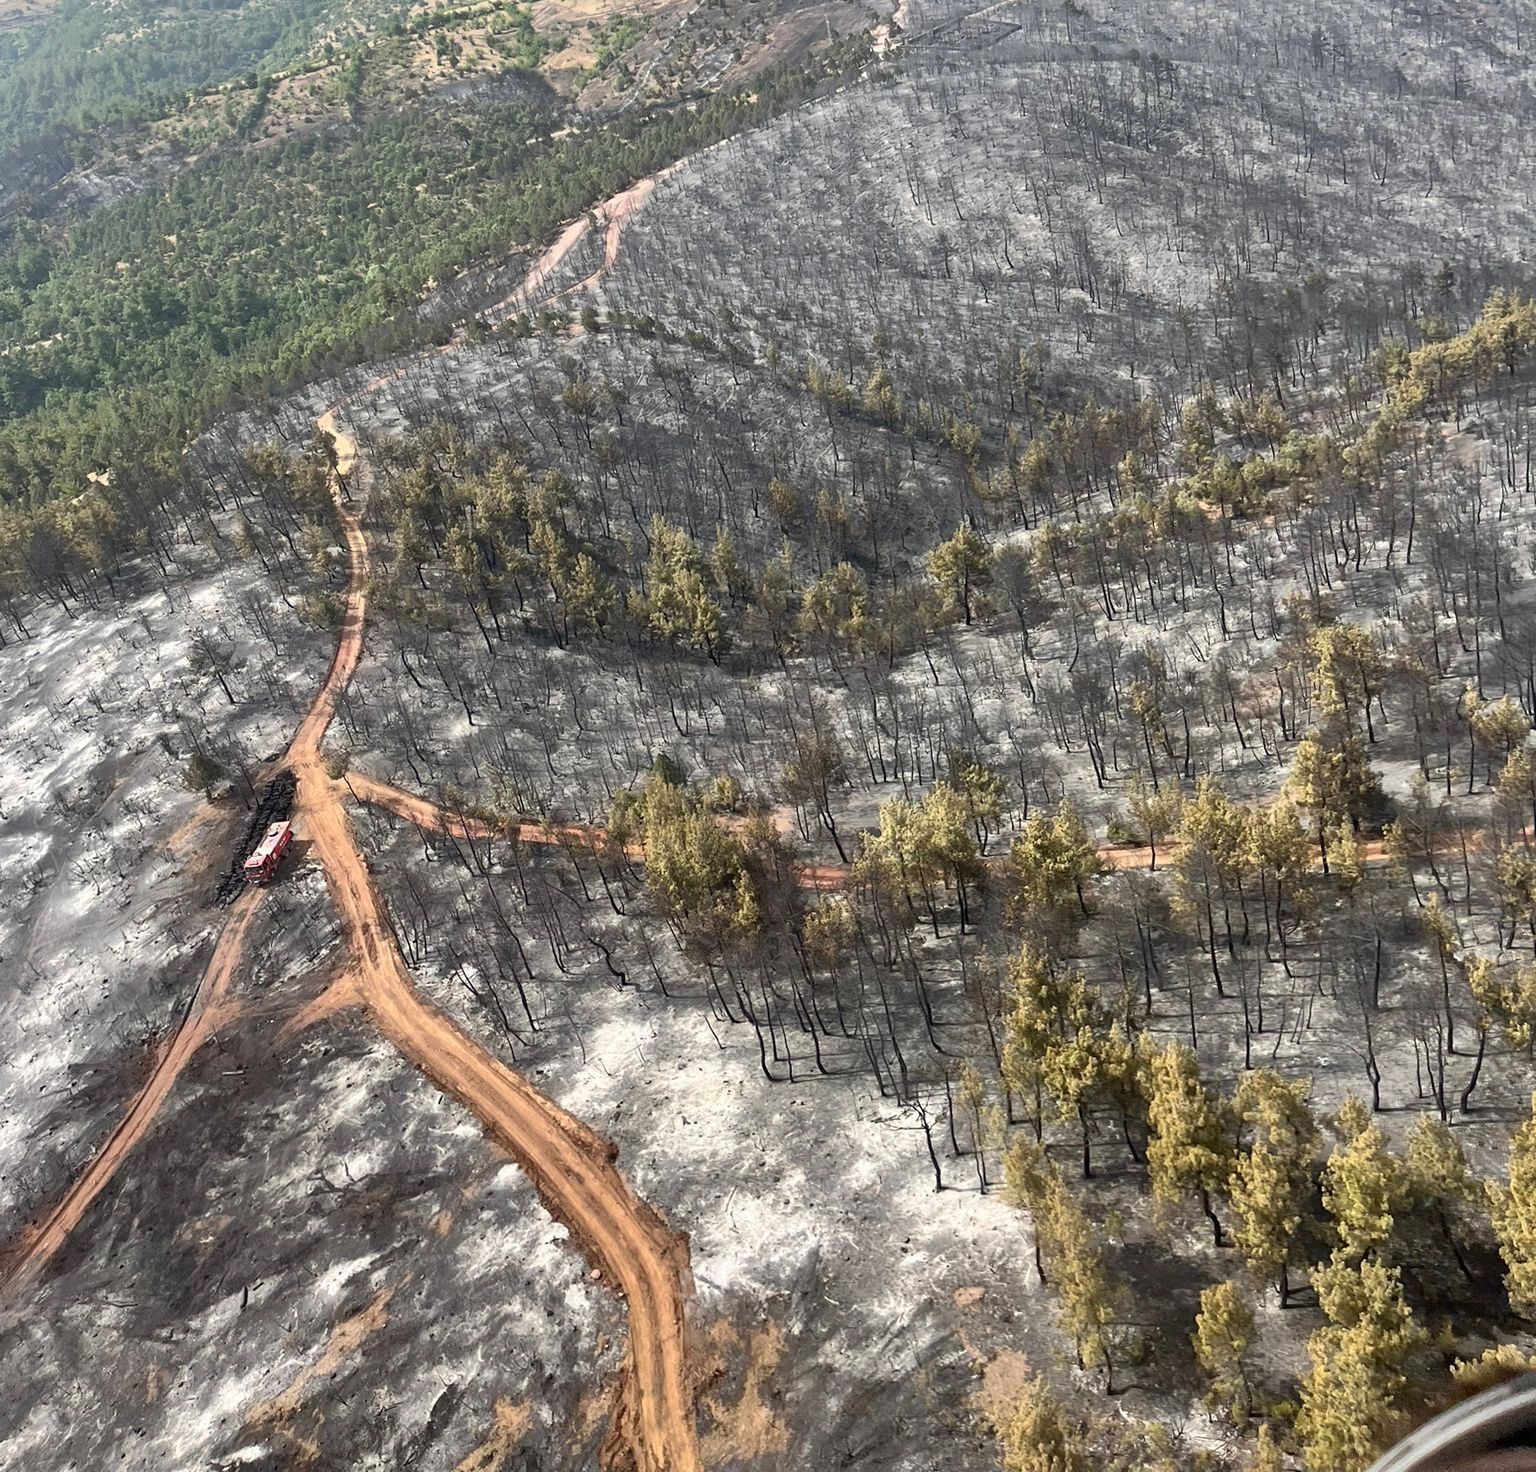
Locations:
(313, 1259)
(110, 859)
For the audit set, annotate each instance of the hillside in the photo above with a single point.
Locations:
(905, 648)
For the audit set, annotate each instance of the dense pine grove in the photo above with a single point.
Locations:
(94, 67)
(258, 269)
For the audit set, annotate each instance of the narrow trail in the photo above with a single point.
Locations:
(438, 819)
(571, 1166)
(1115, 857)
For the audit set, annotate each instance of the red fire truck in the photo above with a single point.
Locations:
(262, 864)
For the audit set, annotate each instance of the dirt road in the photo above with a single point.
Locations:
(613, 214)
(429, 815)
(437, 819)
(572, 1167)
(40, 1241)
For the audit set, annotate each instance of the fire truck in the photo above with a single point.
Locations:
(268, 854)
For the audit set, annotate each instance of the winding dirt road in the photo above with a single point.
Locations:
(1115, 857)
(572, 1168)
(437, 819)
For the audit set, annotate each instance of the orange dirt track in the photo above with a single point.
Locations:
(571, 1167)
(39, 1243)
(438, 819)
(653, 1427)
(1115, 857)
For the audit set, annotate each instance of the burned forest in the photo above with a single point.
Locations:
(835, 767)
